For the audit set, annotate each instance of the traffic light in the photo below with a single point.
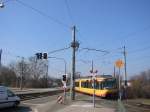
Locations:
(45, 56)
(64, 78)
(38, 55)
(2, 5)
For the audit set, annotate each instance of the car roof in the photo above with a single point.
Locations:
(2, 87)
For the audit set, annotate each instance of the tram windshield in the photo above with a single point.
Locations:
(108, 84)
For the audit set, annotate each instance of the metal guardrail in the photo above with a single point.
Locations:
(36, 93)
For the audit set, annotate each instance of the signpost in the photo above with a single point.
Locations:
(119, 63)
(93, 80)
(64, 80)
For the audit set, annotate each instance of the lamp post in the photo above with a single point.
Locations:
(2, 4)
(22, 71)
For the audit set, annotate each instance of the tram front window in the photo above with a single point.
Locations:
(108, 84)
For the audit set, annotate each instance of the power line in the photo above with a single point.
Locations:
(140, 50)
(5, 1)
(140, 58)
(69, 11)
(43, 14)
(58, 50)
(91, 49)
(134, 33)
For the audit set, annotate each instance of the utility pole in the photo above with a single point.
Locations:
(73, 63)
(119, 85)
(0, 60)
(74, 46)
(93, 85)
(114, 71)
(125, 69)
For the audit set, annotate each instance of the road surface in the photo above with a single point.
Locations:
(83, 103)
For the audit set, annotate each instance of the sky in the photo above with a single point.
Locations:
(31, 26)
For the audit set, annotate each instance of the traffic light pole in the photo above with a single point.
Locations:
(21, 77)
(47, 73)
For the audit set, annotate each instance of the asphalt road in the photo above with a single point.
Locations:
(35, 105)
(49, 104)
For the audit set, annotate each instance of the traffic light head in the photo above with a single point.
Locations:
(38, 55)
(1, 5)
(45, 56)
(64, 78)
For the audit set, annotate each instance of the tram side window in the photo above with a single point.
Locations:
(90, 85)
(102, 85)
(86, 84)
(76, 84)
(83, 84)
(97, 85)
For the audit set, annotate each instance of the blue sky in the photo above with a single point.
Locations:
(101, 24)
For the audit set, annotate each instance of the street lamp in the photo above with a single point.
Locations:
(22, 71)
(2, 5)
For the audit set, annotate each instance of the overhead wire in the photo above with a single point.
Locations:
(69, 11)
(59, 50)
(92, 49)
(72, 20)
(43, 14)
(139, 50)
(5, 1)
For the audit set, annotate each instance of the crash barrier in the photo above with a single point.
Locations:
(37, 94)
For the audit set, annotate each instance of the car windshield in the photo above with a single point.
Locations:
(10, 93)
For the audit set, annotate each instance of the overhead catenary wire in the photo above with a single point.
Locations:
(92, 49)
(69, 11)
(140, 50)
(43, 14)
(59, 50)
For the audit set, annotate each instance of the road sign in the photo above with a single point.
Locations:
(119, 63)
(64, 84)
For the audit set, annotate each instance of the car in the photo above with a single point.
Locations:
(8, 98)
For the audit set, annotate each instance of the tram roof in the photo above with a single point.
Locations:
(98, 77)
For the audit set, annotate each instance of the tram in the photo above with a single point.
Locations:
(105, 86)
